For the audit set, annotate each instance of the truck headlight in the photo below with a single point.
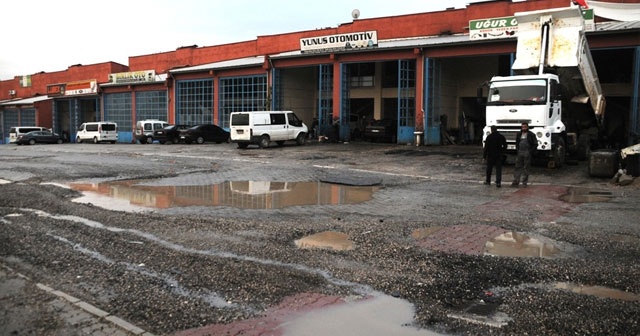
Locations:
(539, 134)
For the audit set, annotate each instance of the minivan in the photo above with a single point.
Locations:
(15, 132)
(100, 131)
(145, 129)
(262, 127)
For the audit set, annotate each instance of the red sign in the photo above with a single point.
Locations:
(55, 90)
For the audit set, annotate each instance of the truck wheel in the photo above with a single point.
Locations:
(95, 140)
(149, 140)
(78, 140)
(199, 140)
(559, 154)
(300, 140)
(584, 147)
(32, 142)
(264, 141)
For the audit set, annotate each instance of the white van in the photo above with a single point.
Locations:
(145, 129)
(262, 127)
(15, 132)
(100, 131)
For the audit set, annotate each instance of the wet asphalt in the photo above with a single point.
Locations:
(205, 257)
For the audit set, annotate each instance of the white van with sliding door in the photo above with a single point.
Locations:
(96, 132)
(16, 132)
(263, 127)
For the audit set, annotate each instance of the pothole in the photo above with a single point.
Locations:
(599, 291)
(585, 195)
(135, 194)
(514, 244)
(332, 240)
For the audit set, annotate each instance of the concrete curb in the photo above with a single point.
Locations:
(87, 307)
(95, 311)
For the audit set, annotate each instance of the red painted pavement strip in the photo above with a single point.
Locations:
(269, 324)
(471, 239)
(467, 239)
(544, 200)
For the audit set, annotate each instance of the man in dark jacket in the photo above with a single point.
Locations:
(494, 148)
(526, 145)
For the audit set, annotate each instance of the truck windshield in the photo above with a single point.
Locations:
(527, 92)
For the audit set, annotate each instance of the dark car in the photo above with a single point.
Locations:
(169, 134)
(204, 133)
(35, 137)
(384, 130)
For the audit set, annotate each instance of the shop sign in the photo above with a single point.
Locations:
(493, 28)
(132, 77)
(81, 87)
(508, 26)
(25, 81)
(54, 90)
(367, 39)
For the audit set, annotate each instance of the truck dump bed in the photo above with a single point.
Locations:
(566, 53)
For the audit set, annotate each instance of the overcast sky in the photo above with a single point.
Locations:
(45, 35)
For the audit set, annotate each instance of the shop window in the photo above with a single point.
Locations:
(10, 119)
(151, 105)
(194, 101)
(238, 94)
(117, 108)
(28, 117)
(362, 75)
(390, 74)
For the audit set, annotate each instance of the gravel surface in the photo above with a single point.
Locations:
(176, 268)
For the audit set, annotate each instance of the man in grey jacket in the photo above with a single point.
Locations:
(526, 145)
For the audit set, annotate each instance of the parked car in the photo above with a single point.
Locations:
(169, 134)
(145, 129)
(35, 137)
(15, 132)
(384, 130)
(204, 133)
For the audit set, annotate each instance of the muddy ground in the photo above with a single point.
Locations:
(208, 256)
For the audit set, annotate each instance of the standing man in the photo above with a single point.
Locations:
(526, 145)
(494, 148)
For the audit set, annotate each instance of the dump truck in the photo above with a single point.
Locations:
(554, 87)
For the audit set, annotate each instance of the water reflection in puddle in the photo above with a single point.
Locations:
(514, 244)
(326, 240)
(599, 291)
(237, 194)
(584, 195)
(377, 316)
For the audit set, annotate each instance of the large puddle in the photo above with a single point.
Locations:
(133, 195)
(380, 315)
